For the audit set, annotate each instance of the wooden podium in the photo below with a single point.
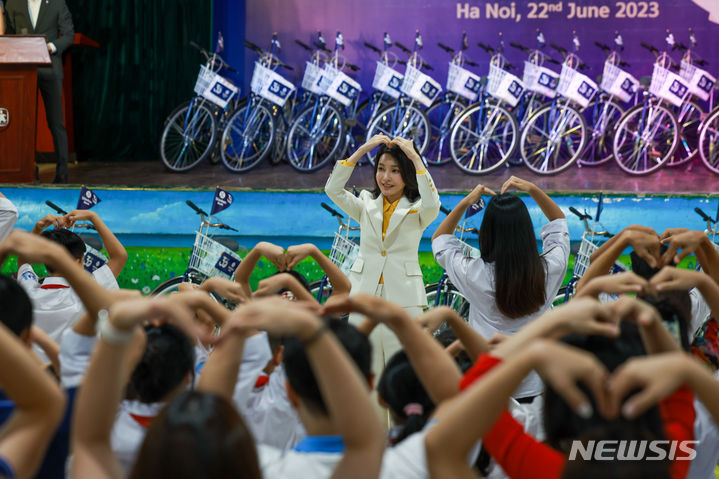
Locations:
(20, 57)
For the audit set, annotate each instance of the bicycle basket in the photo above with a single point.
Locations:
(504, 86)
(700, 81)
(419, 86)
(469, 250)
(344, 252)
(270, 85)
(214, 87)
(668, 86)
(618, 82)
(463, 82)
(203, 79)
(387, 80)
(212, 258)
(581, 261)
(93, 259)
(339, 86)
(540, 79)
(577, 87)
(312, 79)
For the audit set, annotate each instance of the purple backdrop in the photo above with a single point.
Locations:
(444, 21)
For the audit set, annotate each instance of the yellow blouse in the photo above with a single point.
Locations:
(387, 211)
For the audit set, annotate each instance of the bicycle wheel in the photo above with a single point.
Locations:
(553, 138)
(248, 137)
(441, 115)
(170, 286)
(315, 137)
(483, 138)
(403, 120)
(709, 141)
(645, 138)
(357, 126)
(189, 135)
(448, 296)
(689, 116)
(602, 116)
(530, 103)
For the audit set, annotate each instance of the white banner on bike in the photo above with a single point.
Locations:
(701, 82)
(220, 91)
(540, 79)
(420, 87)
(463, 82)
(504, 86)
(668, 85)
(341, 87)
(270, 85)
(387, 80)
(576, 86)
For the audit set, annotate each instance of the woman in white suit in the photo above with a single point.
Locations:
(392, 218)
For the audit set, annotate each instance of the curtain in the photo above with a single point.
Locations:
(143, 69)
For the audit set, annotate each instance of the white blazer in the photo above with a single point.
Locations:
(396, 257)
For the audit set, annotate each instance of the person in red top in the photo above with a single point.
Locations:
(562, 366)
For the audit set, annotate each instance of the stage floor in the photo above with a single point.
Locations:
(689, 179)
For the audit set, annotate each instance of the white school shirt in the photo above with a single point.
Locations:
(55, 306)
(291, 464)
(255, 356)
(474, 278)
(270, 416)
(8, 213)
(707, 449)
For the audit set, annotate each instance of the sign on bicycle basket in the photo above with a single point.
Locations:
(270, 85)
(93, 259)
(387, 80)
(617, 82)
(540, 79)
(668, 85)
(575, 86)
(214, 87)
(701, 83)
(227, 264)
(463, 82)
(420, 87)
(339, 86)
(504, 86)
(312, 79)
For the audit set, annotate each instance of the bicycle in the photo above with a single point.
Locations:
(404, 118)
(556, 134)
(443, 292)
(709, 141)
(462, 86)
(93, 258)
(190, 132)
(592, 239)
(343, 253)
(485, 135)
(691, 114)
(317, 133)
(250, 133)
(211, 255)
(603, 113)
(647, 135)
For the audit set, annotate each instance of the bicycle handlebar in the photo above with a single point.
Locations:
(444, 210)
(489, 49)
(603, 46)
(704, 216)
(56, 208)
(563, 51)
(518, 47)
(447, 49)
(218, 58)
(324, 48)
(582, 216)
(195, 207)
(649, 47)
(252, 46)
(372, 47)
(331, 210)
(304, 45)
(402, 47)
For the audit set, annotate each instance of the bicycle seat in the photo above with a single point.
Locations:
(93, 241)
(227, 242)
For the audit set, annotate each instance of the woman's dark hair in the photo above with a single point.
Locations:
(406, 169)
(506, 238)
(197, 435)
(70, 240)
(168, 358)
(400, 388)
(17, 307)
(562, 424)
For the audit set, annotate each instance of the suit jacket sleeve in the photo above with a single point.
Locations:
(65, 28)
(335, 189)
(429, 208)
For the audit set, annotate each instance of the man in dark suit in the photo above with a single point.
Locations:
(52, 19)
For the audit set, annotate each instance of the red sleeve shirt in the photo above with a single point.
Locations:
(521, 456)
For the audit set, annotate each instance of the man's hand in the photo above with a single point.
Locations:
(80, 215)
(517, 183)
(50, 220)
